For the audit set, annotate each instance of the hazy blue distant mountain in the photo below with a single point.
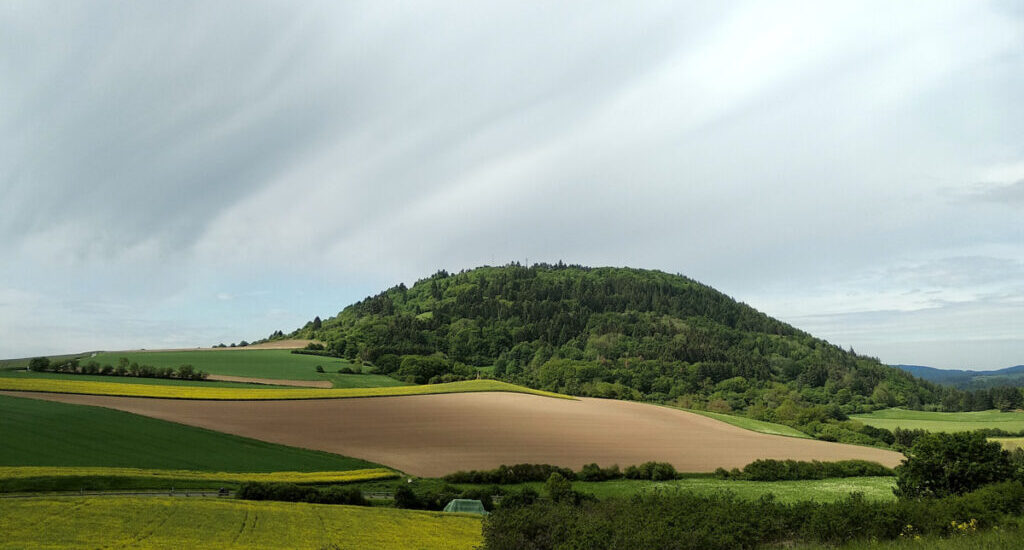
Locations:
(969, 379)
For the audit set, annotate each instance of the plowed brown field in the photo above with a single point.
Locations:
(432, 435)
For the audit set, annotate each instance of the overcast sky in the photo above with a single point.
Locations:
(182, 174)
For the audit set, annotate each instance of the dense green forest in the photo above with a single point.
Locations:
(628, 334)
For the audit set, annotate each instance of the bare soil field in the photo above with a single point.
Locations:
(271, 381)
(432, 435)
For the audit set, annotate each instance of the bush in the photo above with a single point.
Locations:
(290, 492)
(779, 470)
(656, 471)
(507, 475)
(319, 368)
(941, 464)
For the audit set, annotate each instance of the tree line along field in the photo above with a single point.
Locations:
(28, 375)
(264, 363)
(173, 523)
(891, 419)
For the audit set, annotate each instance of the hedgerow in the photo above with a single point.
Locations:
(685, 520)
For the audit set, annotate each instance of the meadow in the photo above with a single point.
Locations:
(818, 490)
(254, 393)
(942, 421)
(44, 433)
(173, 523)
(1005, 538)
(1009, 443)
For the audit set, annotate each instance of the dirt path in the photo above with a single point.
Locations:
(271, 381)
(432, 435)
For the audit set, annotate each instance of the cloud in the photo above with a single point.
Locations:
(793, 154)
(1012, 194)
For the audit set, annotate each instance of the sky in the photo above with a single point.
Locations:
(180, 174)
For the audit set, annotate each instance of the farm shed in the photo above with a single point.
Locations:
(466, 505)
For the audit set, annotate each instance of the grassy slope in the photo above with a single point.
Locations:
(192, 392)
(175, 523)
(943, 422)
(281, 364)
(753, 425)
(44, 433)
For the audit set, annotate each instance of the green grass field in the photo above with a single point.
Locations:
(173, 523)
(1009, 443)
(753, 425)
(943, 422)
(1004, 538)
(45, 433)
(269, 363)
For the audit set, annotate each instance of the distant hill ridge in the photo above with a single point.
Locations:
(967, 379)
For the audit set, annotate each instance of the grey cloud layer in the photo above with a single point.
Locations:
(792, 154)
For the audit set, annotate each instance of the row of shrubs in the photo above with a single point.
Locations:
(342, 370)
(521, 473)
(290, 492)
(405, 497)
(123, 368)
(780, 470)
(684, 520)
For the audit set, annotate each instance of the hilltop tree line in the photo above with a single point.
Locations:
(627, 334)
(123, 368)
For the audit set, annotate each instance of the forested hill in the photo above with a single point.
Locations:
(967, 379)
(614, 332)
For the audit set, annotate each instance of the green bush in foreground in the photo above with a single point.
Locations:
(683, 520)
(942, 464)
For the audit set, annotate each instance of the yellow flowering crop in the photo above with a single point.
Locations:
(210, 522)
(346, 476)
(255, 394)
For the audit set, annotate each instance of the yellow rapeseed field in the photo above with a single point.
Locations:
(254, 394)
(174, 523)
(348, 476)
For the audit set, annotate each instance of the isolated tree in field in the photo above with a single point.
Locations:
(39, 364)
(559, 489)
(941, 464)
(186, 372)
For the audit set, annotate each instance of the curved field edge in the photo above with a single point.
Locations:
(172, 523)
(340, 476)
(751, 424)
(258, 394)
(43, 433)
